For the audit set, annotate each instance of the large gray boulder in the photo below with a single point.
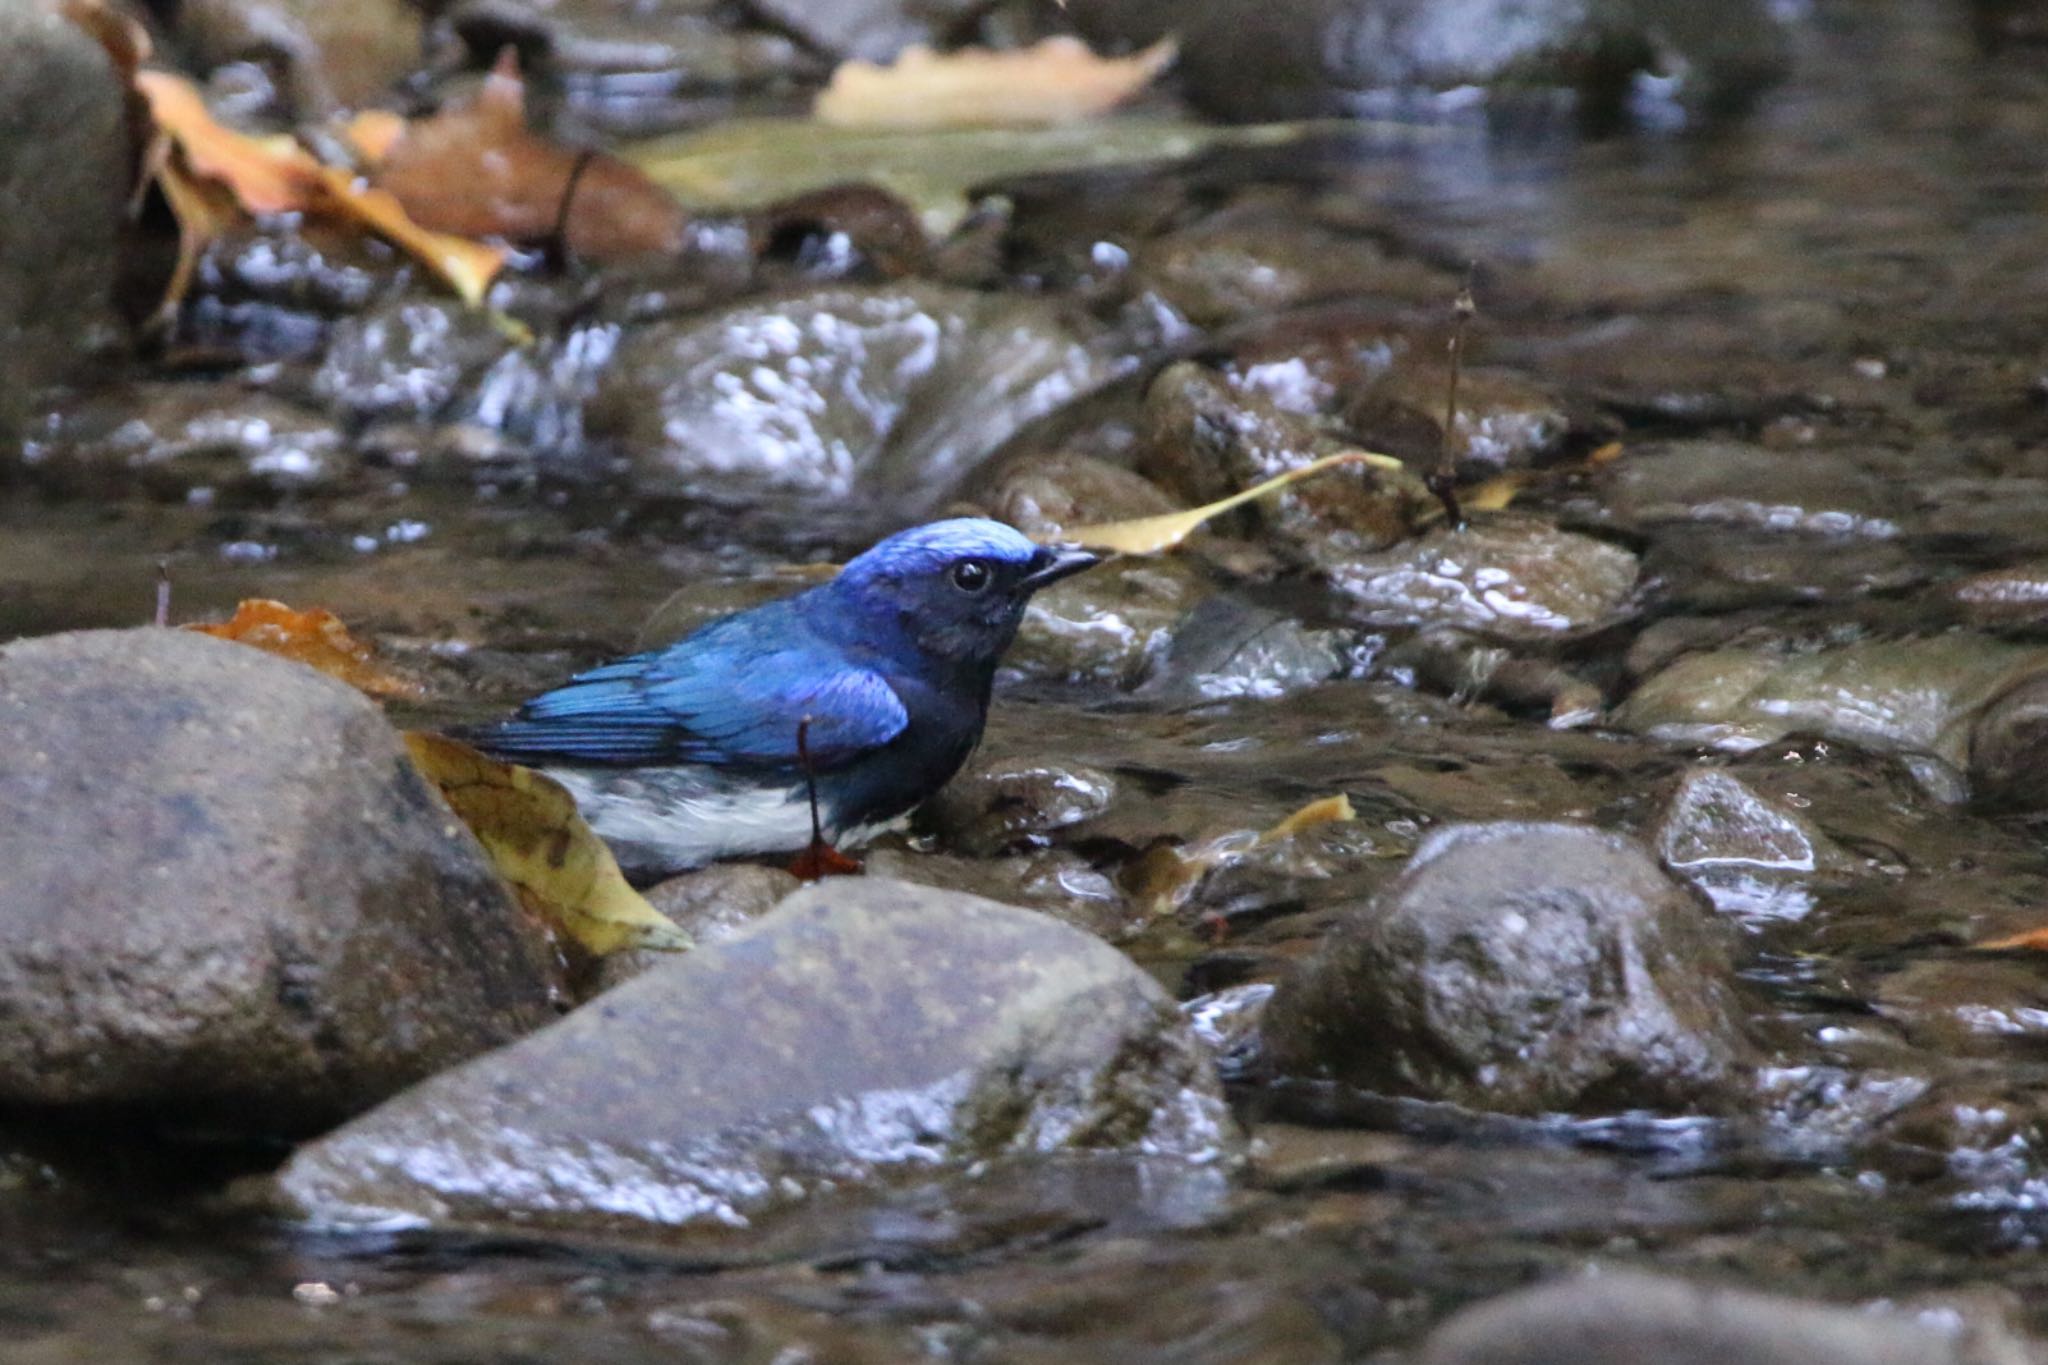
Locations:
(862, 1025)
(65, 172)
(1523, 968)
(228, 896)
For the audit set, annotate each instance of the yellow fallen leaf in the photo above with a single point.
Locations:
(467, 266)
(315, 638)
(1055, 81)
(562, 871)
(1150, 535)
(1497, 493)
(1329, 810)
(1162, 878)
(374, 132)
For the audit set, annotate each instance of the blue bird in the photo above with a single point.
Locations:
(688, 754)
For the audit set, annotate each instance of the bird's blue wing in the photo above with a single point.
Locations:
(712, 700)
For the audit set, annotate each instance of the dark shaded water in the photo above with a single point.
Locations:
(1856, 272)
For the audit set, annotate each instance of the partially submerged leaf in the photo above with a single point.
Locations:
(1055, 81)
(315, 638)
(1165, 876)
(1329, 810)
(467, 267)
(476, 170)
(528, 824)
(742, 163)
(1150, 535)
(2034, 941)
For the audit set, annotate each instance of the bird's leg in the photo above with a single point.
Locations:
(820, 859)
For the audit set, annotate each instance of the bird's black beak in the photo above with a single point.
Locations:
(1054, 562)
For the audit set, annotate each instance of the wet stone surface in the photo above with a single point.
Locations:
(1774, 661)
(1022, 1036)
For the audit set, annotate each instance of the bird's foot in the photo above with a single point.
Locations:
(821, 860)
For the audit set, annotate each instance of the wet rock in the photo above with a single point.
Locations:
(847, 231)
(1954, 707)
(2009, 747)
(993, 806)
(171, 439)
(1226, 648)
(892, 393)
(319, 57)
(1057, 881)
(1520, 968)
(1045, 496)
(1730, 483)
(67, 153)
(229, 895)
(875, 30)
(1111, 625)
(1512, 578)
(1360, 57)
(1251, 260)
(632, 68)
(1465, 667)
(2014, 595)
(1750, 856)
(1505, 420)
(1211, 438)
(862, 1026)
(407, 357)
(1649, 1320)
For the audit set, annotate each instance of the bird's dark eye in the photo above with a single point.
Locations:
(971, 575)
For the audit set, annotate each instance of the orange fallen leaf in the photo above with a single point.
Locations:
(561, 870)
(475, 170)
(266, 175)
(1055, 81)
(315, 638)
(2034, 940)
(276, 175)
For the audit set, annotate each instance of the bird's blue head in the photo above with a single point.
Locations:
(957, 589)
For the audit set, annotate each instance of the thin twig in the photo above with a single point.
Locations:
(558, 242)
(1444, 482)
(163, 592)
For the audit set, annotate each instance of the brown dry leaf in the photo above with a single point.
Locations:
(1055, 81)
(562, 871)
(315, 638)
(276, 175)
(1150, 535)
(2034, 940)
(476, 171)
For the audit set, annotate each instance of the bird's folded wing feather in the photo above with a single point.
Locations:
(739, 708)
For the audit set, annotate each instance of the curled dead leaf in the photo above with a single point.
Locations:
(475, 170)
(1058, 80)
(314, 638)
(1150, 535)
(562, 871)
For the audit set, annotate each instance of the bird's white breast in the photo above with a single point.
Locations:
(667, 819)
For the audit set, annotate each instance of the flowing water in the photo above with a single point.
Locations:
(1851, 274)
